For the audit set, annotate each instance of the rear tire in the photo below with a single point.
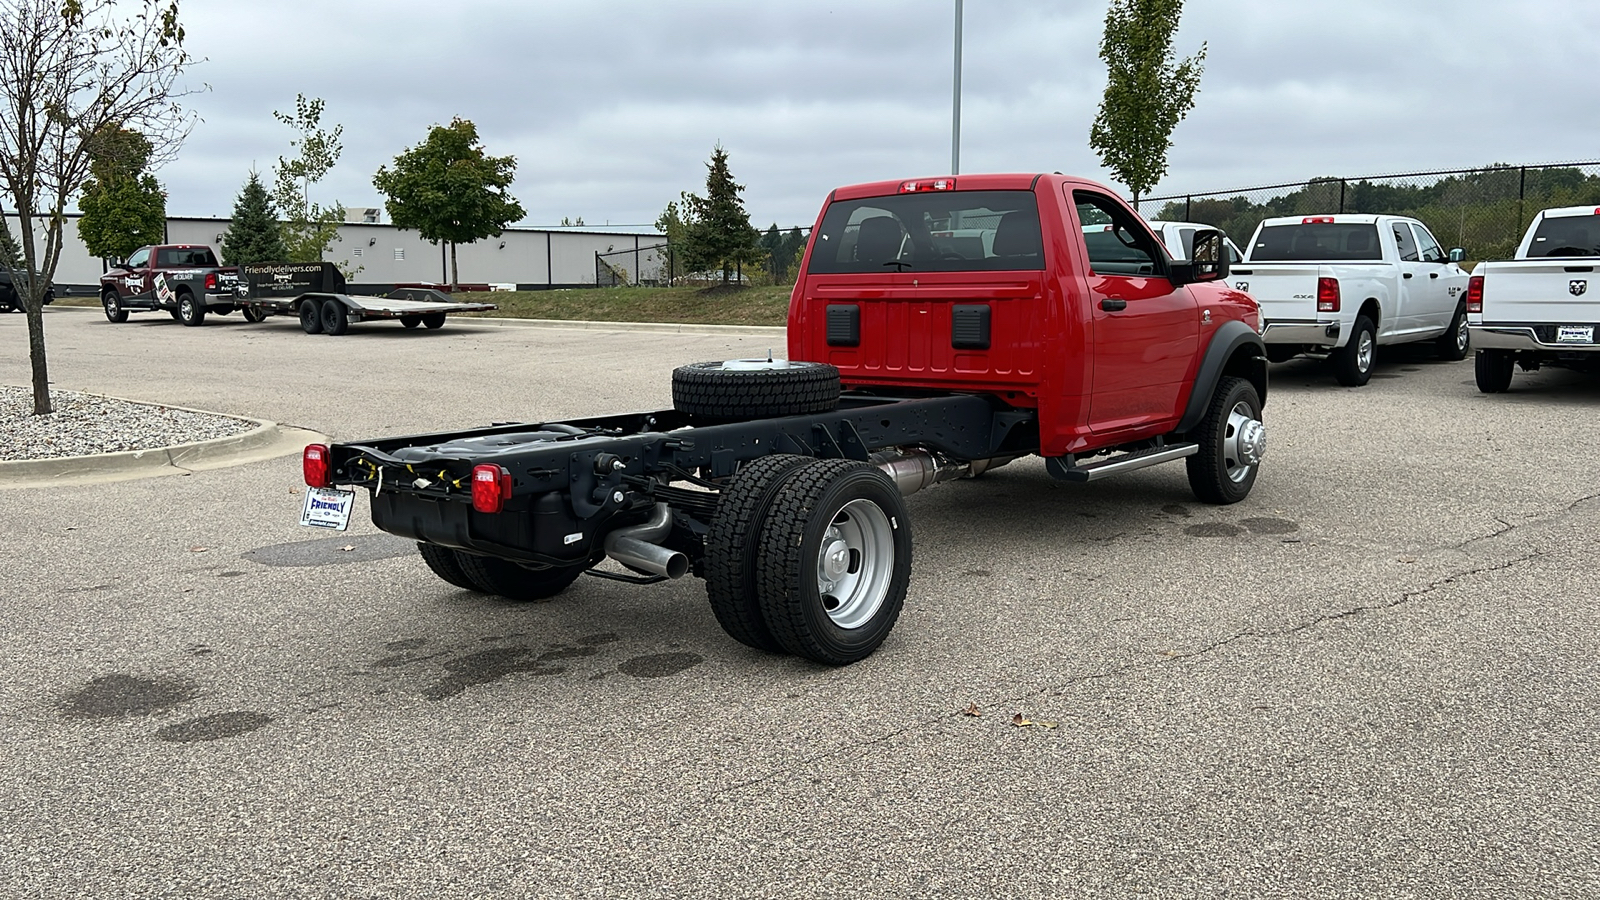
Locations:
(1454, 344)
(1232, 442)
(191, 312)
(834, 561)
(743, 389)
(731, 547)
(446, 563)
(113, 306)
(335, 318)
(410, 321)
(310, 317)
(433, 321)
(493, 575)
(1352, 363)
(1493, 369)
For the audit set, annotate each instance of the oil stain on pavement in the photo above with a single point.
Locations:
(487, 666)
(120, 696)
(1213, 529)
(213, 728)
(660, 665)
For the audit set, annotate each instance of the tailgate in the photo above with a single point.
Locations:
(1558, 291)
(1286, 293)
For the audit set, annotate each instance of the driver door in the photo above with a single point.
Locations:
(136, 284)
(1145, 331)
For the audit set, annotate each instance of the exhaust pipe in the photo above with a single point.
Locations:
(635, 546)
(914, 469)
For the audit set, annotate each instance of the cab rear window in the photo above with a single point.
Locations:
(1317, 241)
(934, 231)
(1566, 236)
(185, 257)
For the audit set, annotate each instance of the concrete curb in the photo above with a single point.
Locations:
(266, 440)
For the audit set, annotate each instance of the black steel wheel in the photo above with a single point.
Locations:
(113, 306)
(1352, 363)
(1454, 343)
(411, 321)
(493, 575)
(335, 318)
(731, 546)
(191, 312)
(1232, 442)
(310, 317)
(433, 321)
(1493, 369)
(755, 388)
(834, 561)
(446, 563)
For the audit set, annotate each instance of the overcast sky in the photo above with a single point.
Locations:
(613, 108)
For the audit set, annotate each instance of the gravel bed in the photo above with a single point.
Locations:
(85, 424)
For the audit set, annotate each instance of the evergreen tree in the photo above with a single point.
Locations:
(772, 248)
(718, 233)
(10, 256)
(123, 205)
(253, 236)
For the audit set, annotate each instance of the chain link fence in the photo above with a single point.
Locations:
(661, 265)
(1483, 211)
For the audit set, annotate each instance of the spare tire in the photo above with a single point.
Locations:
(754, 388)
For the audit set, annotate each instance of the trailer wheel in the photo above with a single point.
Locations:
(493, 575)
(754, 388)
(433, 321)
(410, 321)
(310, 317)
(191, 312)
(335, 318)
(113, 305)
(731, 546)
(1232, 441)
(255, 314)
(834, 561)
(446, 563)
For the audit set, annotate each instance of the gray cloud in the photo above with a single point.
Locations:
(612, 109)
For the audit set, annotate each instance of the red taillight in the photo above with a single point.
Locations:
(937, 184)
(315, 465)
(1327, 295)
(491, 488)
(1317, 220)
(1475, 292)
(211, 281)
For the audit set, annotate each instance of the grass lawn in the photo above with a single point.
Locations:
(740, 306)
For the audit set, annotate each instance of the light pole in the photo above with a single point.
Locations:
(955, 103)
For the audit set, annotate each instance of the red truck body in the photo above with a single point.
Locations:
(1097, 376)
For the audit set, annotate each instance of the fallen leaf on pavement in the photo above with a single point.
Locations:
(1045, 724)
(972, 710)
(198, 549)
(1021, 721)
(348, 547)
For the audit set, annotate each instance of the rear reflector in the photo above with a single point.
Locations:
(1475, 292)
(1327, 295)
(937, 184)
(1317, 220)
(491, 488)
(314, 465)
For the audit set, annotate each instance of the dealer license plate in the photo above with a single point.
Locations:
(328, 508)
(1575, 334)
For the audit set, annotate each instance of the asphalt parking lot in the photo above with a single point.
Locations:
(1376, 677)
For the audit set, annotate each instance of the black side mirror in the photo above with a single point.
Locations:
(1457, 255)
(1208, 259)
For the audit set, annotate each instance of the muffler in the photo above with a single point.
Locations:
(635, 546)
(914, 469)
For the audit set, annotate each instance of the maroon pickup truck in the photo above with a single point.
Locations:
(183, 279)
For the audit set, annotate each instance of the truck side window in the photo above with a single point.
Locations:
(1431, 251)
(139, 259)
(1404, 242)
(1117, 244)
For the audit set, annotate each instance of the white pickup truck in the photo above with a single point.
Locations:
(1342, 285)
(1178, 238)
(1537, 309)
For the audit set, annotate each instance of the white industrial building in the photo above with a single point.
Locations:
(383, 255)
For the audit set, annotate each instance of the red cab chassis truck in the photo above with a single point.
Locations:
(939, 328)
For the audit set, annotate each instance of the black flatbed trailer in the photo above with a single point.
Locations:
(315, 293)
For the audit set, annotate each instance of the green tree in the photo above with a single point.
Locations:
(448, 189)
(307, 227)
(1148, 92)
(123, 205)
(253, 235)
(10, 256)
(69, 70)
(717, 231)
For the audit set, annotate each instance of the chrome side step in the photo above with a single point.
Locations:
(1116, 465)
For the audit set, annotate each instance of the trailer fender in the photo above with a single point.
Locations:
(1235, 349)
